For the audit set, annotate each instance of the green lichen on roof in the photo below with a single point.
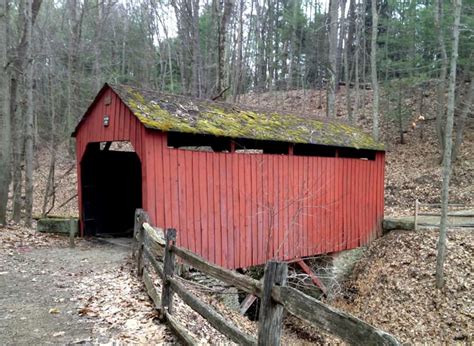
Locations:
(183, 114)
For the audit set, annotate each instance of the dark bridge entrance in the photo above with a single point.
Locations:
(111, 190)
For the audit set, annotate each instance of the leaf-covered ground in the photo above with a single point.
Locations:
(53, 294)
(393, 288)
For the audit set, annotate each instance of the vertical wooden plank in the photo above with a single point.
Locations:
(363, 210)
(284, 208)
(182, 210)
(331, 213)
(174, 197)
(190, 231)
(223, 203)
(269, 225)
(381, 187)
(271, 313)
(145, 181)
(210, 207)
(260, 207)
(203, 213)
(166, 181)
(151, 172)
(307, 206)
(253, 201)
(196, 204)
(354, 201)
(323, 202)
(217, 241)
(248, 209)
(359, 211)
(275, 207)
(236, 207)
(230, 210)
(292, 212)
(241, 193)
(168, 271)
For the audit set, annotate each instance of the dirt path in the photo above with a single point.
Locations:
(62, 295)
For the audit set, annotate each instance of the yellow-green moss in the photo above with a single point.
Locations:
(182, 114)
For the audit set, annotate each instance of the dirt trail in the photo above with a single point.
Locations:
(42, 292)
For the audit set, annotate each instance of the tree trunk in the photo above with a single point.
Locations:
(373, 68)
(5, 121)
(228, 5)
(441, 107)
(29, 120)
(440, 258)
(332, 70)
(347, 65)
(462, 120)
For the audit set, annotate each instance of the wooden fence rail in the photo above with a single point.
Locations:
(157, 251)
(462, 213)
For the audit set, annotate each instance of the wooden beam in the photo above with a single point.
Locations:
(230, 277)
(312, 275)
(213, 317)
(271, 313)
(154, 263)
(335, 322)
(247, 303)
(180, 331)
(151, 290)
(168, 271)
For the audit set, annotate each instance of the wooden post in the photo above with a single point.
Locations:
(142, 217)
(136, 232)
(71, 234)
(416, 214)
(271, 313)
(168, 271)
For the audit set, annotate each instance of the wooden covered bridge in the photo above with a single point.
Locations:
(240, 186)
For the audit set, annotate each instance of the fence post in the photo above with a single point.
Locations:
(168, 271)
(416, 214)
(140, 217)
(271, 313)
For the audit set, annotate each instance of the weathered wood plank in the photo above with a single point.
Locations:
(271, 313)
(150, 289)
(230, 277)
(154, 263)
(347, 327)
(156, 234)
(150, 241)
(213, 317)
(168, 271)
(180, 331)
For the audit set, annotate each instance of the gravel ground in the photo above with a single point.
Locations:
(54, 295)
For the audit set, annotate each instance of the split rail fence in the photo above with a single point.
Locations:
(463, 213)
(157, 250)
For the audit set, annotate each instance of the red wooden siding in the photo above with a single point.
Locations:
(239, 210)
(123, 126)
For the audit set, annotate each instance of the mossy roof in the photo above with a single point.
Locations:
(167, 112)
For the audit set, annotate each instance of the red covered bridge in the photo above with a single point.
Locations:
(240, 186)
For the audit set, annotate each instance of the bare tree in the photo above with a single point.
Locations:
(441, 106)
(228, 5)
(5, 125)
(462, 120)
(332, 69)
(448, 147)
(373, 68)
(29, 121)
